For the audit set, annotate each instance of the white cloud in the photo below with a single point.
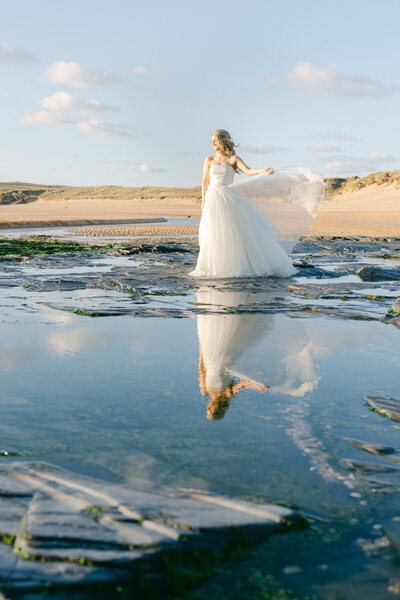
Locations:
(323, 148)
(143, 167)
(114, 130)
(343, 137)
(139, 70)
(14, 56)
(261, 149)
(45, 116)
(76, 75)
(330, 81)
(67, 101)
(379, 156)
(344, 165)
(151, 169)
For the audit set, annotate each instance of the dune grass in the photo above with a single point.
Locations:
(20, 192)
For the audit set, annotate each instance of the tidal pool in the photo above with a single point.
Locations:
(247, 404)
(256, 391)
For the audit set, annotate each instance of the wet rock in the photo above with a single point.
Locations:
(307, 270)
(371, 447)
(65, 518)
(378, 274)
(366, 468)
(159, 248)
(388, 407)
(394, 310)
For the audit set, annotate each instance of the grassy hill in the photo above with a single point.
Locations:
(19, 192)
(336, 186)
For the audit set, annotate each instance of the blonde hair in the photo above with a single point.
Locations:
(227, 144)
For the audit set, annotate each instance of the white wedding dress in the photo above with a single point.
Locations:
(248, 227)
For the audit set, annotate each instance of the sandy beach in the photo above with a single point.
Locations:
(373, 211)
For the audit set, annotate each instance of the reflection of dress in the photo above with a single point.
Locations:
(224, 338)
(237, 237)
(266, 349)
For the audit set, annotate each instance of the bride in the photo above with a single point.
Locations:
(247, 228)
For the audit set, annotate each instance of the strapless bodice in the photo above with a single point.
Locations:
(221, 175)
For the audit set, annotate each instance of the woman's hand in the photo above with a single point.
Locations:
(269, 170)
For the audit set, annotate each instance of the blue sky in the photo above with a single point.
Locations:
(94, 92)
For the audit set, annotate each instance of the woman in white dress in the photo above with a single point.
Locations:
(247, 228)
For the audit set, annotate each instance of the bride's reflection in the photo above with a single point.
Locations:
(223, 340)
(264, 352)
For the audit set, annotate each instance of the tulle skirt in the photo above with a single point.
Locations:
(237, 239)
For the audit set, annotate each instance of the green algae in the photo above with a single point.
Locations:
(29, 247)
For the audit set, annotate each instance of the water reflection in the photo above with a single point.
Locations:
(74, 341)
(222, 341)
(264, 352)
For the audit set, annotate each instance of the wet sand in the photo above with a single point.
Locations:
(370, 224)
(144, 231)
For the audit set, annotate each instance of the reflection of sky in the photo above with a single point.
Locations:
(12, 354)
(76, 340)
(120, 396)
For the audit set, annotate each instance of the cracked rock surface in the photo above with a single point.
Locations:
(78, 530)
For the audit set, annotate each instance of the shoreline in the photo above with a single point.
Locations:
(332, 224)
(77, 222)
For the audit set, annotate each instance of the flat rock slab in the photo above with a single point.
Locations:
(77, 530)
(379, 274)
(149, 279)
(388, 407)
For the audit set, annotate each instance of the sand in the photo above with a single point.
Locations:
(137, 231)
(80, 212)
(373, 211)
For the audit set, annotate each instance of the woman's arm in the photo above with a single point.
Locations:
(247, 171)
(206, 180)
(246, 383)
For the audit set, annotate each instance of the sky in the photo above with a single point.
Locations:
(94, 92)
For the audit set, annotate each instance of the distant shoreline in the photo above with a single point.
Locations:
(76, 222)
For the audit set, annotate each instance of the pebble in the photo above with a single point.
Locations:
(356, 495)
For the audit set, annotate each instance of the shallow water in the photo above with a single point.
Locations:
(250, 397)
(109, 396)
(65, 233)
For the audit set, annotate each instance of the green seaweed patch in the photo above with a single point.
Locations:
(159, 248)
(84, 561)
(8, 539)
(17, 248)
(378, 298)
(8, 453)
(140, 296)
(86, 313)
(164, 293)
(94, 509)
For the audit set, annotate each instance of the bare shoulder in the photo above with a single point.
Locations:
(208, 159)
